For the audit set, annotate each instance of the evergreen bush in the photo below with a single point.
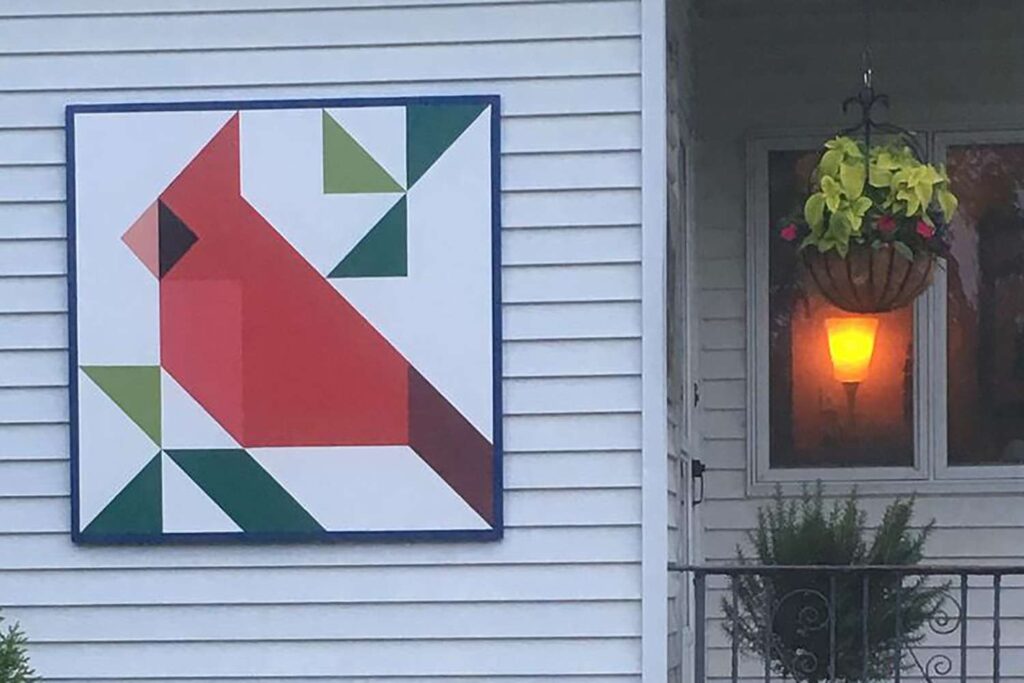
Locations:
(14, 664)
(803, 532)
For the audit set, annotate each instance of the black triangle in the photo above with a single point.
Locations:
(174, 236)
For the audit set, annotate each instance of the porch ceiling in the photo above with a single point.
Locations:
(731, 8)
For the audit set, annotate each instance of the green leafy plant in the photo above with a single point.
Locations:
(803, 532)
(14, 663)
(875, 197)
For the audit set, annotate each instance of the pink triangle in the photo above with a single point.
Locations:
(142, 239)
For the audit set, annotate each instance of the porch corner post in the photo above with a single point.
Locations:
(654, 343)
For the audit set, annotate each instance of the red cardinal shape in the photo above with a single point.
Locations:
(278, 356)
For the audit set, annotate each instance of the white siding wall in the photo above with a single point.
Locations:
(762, 70)
(560, 596)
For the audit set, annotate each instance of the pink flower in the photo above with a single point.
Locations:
(886, 223)
(788, 233)
(924, 230)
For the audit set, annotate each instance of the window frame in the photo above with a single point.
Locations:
(931, 471)
(942, 141)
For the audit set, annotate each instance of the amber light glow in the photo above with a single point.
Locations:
(851, 343)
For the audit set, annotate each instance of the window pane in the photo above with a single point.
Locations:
(985, 306)
(814, 420)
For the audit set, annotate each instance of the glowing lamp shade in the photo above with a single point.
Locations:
(851, 343)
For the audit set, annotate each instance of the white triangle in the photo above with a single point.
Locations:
(185, 423)
(356, 216)
(368, 488)
(186, 507)
(111, 449)
(381, 132)
(323, 228)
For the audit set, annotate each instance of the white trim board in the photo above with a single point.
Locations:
(654, 193)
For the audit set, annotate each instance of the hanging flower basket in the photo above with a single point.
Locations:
(868, 280)
(873, 226)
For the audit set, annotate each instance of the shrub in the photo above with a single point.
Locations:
(14, 664)
(802, 532)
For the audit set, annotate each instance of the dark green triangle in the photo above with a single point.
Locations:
(430, 129)
(135, 389)
(137, 510)
(348, 168)
(383, 252)
(245, 491)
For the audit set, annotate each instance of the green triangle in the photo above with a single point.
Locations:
(348, 168)
(430, 129)
(383, 252)
(135, 389)
(249, 495)
(136, 510)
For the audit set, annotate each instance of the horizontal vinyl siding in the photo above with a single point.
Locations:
(559, 597)
(100, 8)
(794, 76)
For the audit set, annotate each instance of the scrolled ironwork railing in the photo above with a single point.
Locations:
(814, 624)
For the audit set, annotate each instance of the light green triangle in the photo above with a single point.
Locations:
(383, 252)
(348, 168)
(430, 129)
(136, 510)
(135, 389)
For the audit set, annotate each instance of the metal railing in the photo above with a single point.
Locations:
(850, 623)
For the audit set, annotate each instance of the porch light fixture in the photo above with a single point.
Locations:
(851, 343)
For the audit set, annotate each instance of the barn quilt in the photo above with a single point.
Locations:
(285, 320)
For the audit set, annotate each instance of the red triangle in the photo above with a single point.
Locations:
(142, 238)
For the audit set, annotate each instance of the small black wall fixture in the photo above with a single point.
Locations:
(697, 469)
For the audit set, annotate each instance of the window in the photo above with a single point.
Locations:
(816, 420)
(985, 306)
(943, 397)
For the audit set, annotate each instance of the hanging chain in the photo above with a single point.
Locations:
(867, 99)
(869, 90)
(866, 54)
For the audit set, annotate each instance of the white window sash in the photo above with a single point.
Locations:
(943, 140)
(761, 477)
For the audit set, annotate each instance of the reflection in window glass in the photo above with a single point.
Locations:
(813, 422)
(985, 306)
